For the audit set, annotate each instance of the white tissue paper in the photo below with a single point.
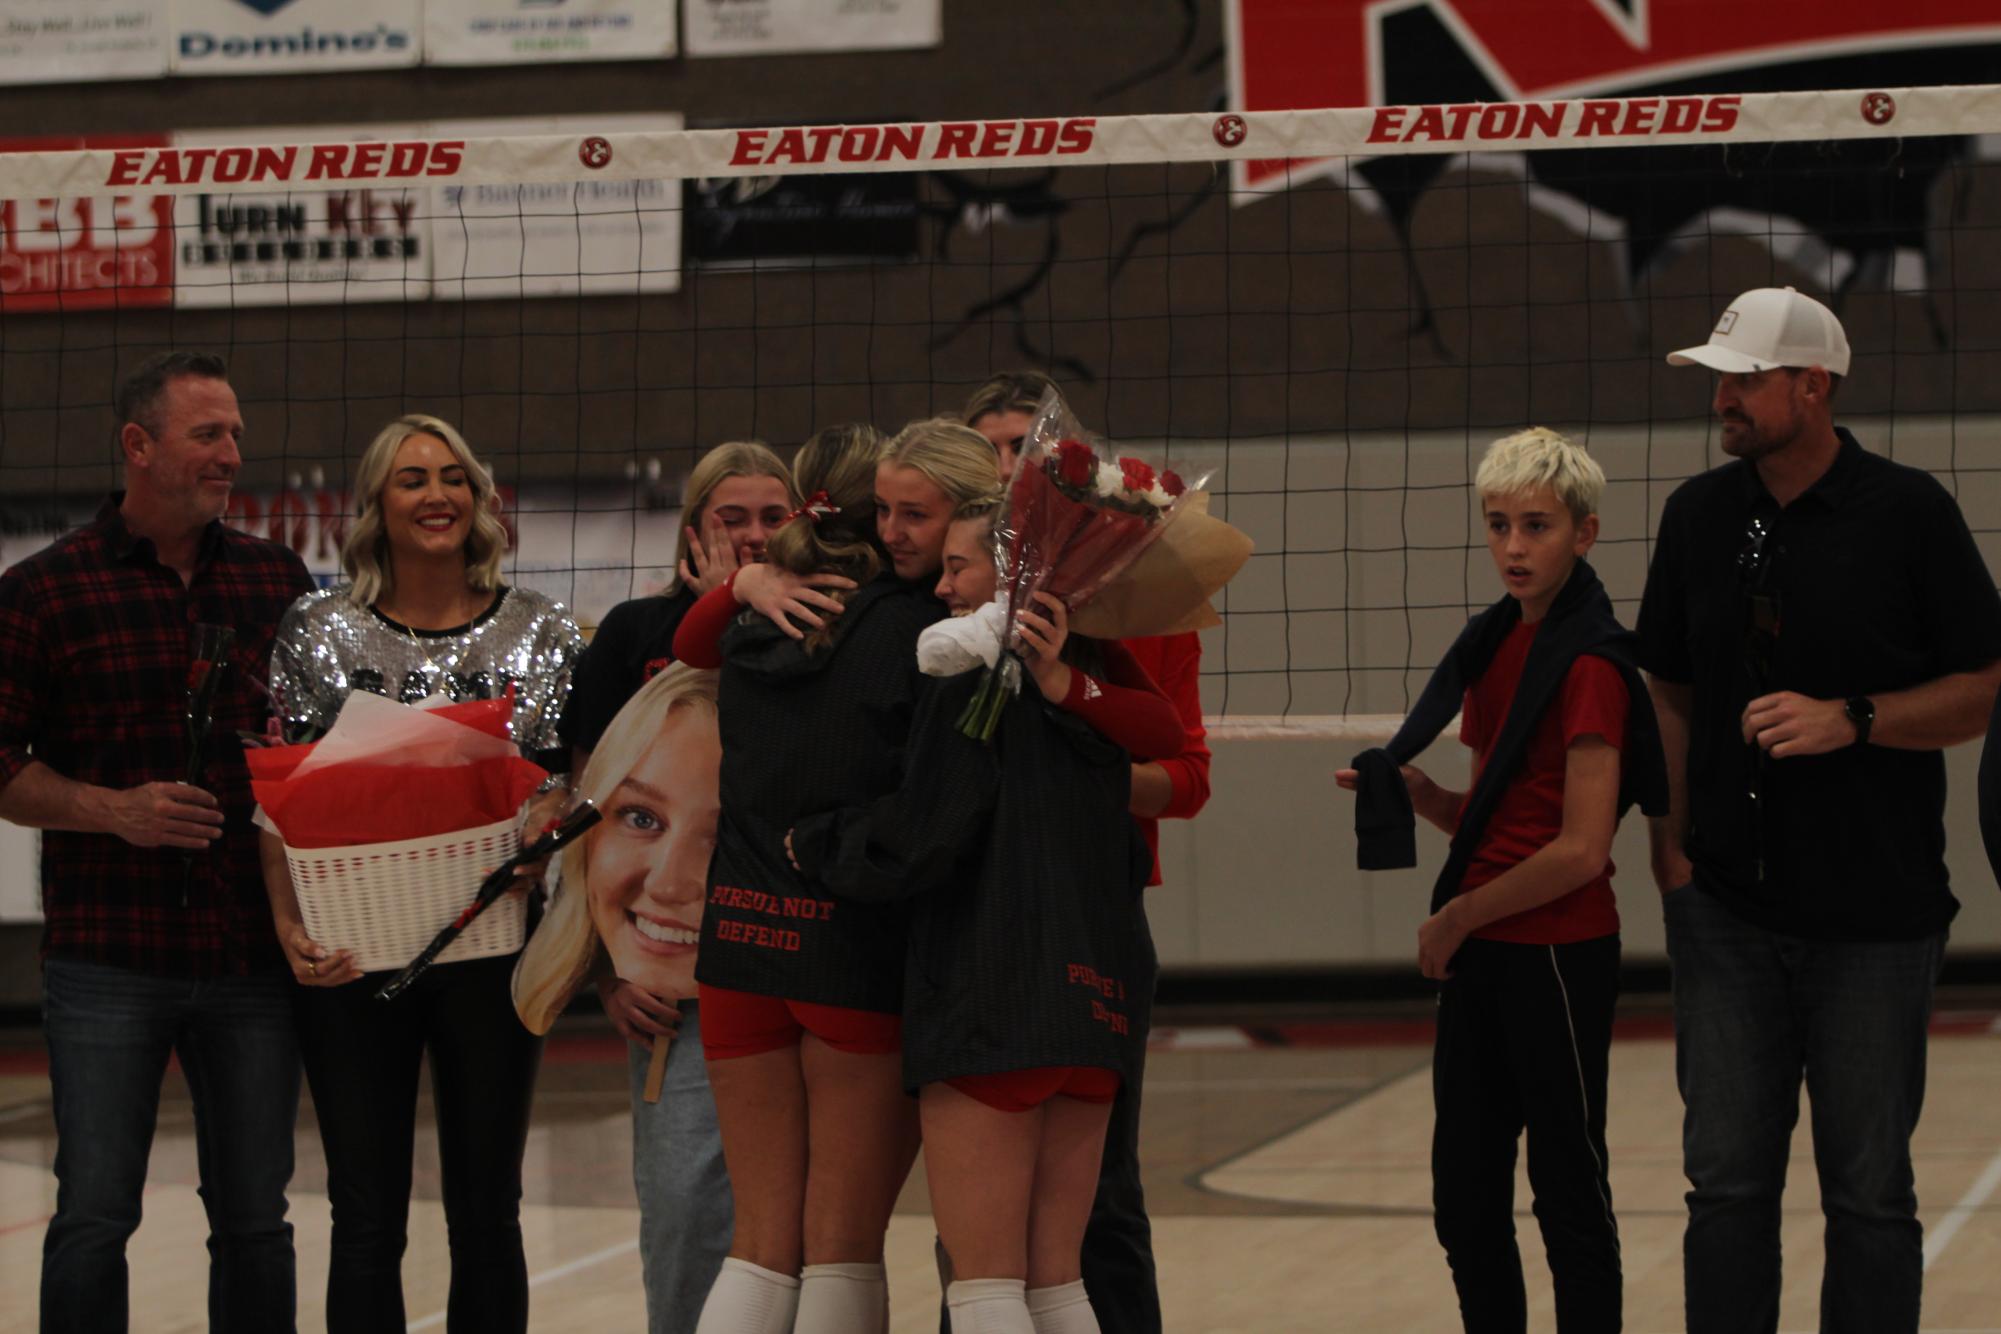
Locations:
(961, 643)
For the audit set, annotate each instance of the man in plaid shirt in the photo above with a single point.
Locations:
(158, 939)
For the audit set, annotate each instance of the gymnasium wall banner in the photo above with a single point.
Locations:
(86, 252)
(581, 237)
(1431, 74)
(1285, 54)
(767, 220)
(289, 36)
(288, 248)
(60, 41)
(378, 229)
(772, 27)
(511, 32)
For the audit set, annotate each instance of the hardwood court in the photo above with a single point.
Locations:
(1289, 1185)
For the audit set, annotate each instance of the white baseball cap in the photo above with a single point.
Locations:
(1769, 327)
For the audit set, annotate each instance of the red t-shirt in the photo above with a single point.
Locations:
(1592, 702)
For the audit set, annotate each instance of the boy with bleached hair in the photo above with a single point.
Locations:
(1523, 936)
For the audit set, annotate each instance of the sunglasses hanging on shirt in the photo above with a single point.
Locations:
(1761, 640)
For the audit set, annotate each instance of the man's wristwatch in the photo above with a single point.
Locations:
(1861, 711)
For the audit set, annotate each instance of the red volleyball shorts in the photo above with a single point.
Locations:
(1026, 1090)
(743, 1023)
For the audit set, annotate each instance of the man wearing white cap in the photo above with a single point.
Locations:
(1817, 626)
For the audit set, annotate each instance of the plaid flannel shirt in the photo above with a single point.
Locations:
(95, 647)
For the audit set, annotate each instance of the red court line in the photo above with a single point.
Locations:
(24, 1060)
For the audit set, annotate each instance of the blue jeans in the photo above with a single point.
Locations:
(1754, 1011)
(110, 1031)
(685, 1211)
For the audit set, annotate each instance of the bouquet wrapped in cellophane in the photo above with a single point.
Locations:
(1078, 520)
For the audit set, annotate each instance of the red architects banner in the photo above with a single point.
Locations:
(86, 252)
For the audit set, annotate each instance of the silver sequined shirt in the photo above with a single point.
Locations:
(328, 646)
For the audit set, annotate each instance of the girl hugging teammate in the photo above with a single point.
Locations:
(802, 994)
(1027, 978)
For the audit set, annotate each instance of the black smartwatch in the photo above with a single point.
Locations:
(1861, 711)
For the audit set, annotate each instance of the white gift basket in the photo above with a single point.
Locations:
(386, 901)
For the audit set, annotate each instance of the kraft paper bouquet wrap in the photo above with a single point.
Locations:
(1130, 550)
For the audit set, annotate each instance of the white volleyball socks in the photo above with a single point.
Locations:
(989, 1306)
(747, 1299)
(843, 1299)
(1062, 1310)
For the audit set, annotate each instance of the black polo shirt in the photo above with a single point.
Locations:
(1881, 588)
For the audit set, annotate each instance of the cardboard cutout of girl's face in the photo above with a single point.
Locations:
(647, 864)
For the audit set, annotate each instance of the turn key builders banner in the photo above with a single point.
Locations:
(380, 227)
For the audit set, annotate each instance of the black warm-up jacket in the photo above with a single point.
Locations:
(1030, 948)
(802, 731)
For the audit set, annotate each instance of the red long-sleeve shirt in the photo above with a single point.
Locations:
(1175, 664)
(698, 640)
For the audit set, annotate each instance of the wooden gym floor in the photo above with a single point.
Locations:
(1286, 1167)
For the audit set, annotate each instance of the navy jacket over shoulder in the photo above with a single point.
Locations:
(1579, 622)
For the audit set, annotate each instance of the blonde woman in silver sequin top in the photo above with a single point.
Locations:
(423, 612)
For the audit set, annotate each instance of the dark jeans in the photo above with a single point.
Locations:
(362, 1058)
(1524, 1033)
(1753, 1011)
(110, 1031)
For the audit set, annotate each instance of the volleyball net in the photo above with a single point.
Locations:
(1334, 311)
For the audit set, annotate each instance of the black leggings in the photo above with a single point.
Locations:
(1524, 1033)
(362, 1057)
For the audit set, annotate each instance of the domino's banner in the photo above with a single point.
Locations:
(58, 41)
(508, 32)
(768, 27)
(289, 36)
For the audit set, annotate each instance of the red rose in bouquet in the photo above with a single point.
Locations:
(1136, 474)
(1075, 463)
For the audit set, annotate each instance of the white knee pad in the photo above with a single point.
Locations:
(747, 1299)
(843, 1299)
(1062, 1310)
(989, 1306)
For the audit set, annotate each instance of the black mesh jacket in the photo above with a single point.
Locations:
(802, 731)
(1029, 948)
